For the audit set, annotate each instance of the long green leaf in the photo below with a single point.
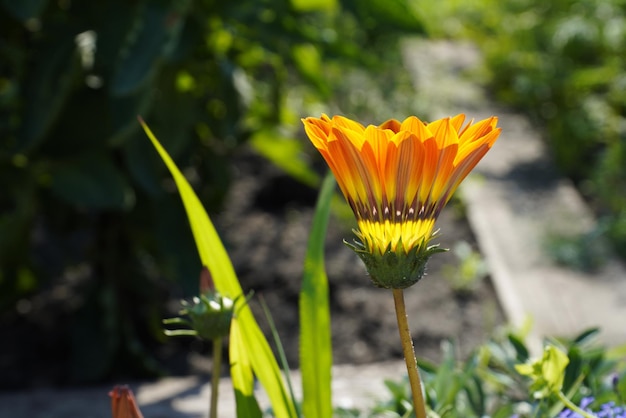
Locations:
(315, 337)
(214, 257)
(241, 373)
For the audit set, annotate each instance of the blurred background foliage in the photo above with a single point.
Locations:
(563, 63)
(89, 221)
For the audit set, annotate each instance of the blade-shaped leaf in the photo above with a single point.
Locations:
(315, 336)
(241, 374)
(214, 257)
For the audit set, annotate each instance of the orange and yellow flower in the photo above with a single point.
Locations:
(397, 177)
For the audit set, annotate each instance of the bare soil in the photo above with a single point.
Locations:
(265, 227)
(264, 224)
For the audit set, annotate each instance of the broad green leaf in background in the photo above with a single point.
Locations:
(92, 182)
(311, 5)
(308, 61)
(315, 337)
(285, 153)
(156, 31)
(214, 257)
(47, 85)
(25, 9)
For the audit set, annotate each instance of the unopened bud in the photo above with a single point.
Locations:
(211, 315)
(123, 404)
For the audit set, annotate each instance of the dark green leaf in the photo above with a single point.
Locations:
(92, 182)
(25, 9)
(173, 238)
(155, 32)
(586, 336)
(620, 387)
(145, 167)
(46, 87)
(521, 352)
(574, 368)
(476, 395)
(124, 111)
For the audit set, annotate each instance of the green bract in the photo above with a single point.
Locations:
(395, 269)
(210, 315)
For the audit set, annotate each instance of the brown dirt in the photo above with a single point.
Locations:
(265, 227)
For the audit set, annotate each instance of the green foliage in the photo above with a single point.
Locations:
(249, 351)
(315, 340)
(488, 383)
(562, 62)
(471, 270)
(547, 373)
(82, 187)
(249, 346)
(587, 252)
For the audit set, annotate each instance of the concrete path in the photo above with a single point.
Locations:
(188, 397)
(516, 204)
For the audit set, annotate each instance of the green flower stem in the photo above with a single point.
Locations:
(573, 406)
(215, 378)
(409, 354)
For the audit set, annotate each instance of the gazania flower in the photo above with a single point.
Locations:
(397, 177)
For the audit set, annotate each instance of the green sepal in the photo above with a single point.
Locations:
(211, 315)
(180, 332)
(395, 269)
(177, 321)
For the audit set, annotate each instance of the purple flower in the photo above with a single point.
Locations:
(607, 410)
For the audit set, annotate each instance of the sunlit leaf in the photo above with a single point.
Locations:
(309, 63)
(286, 153)
(311, 5)
(214, 257)
(315, 336)
(241, 374)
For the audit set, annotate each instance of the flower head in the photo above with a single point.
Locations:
(397, 177)
(546, 373)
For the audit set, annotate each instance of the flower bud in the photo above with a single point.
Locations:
(123, 404)
(211, 315)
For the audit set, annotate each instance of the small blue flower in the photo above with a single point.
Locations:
(607, 410)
